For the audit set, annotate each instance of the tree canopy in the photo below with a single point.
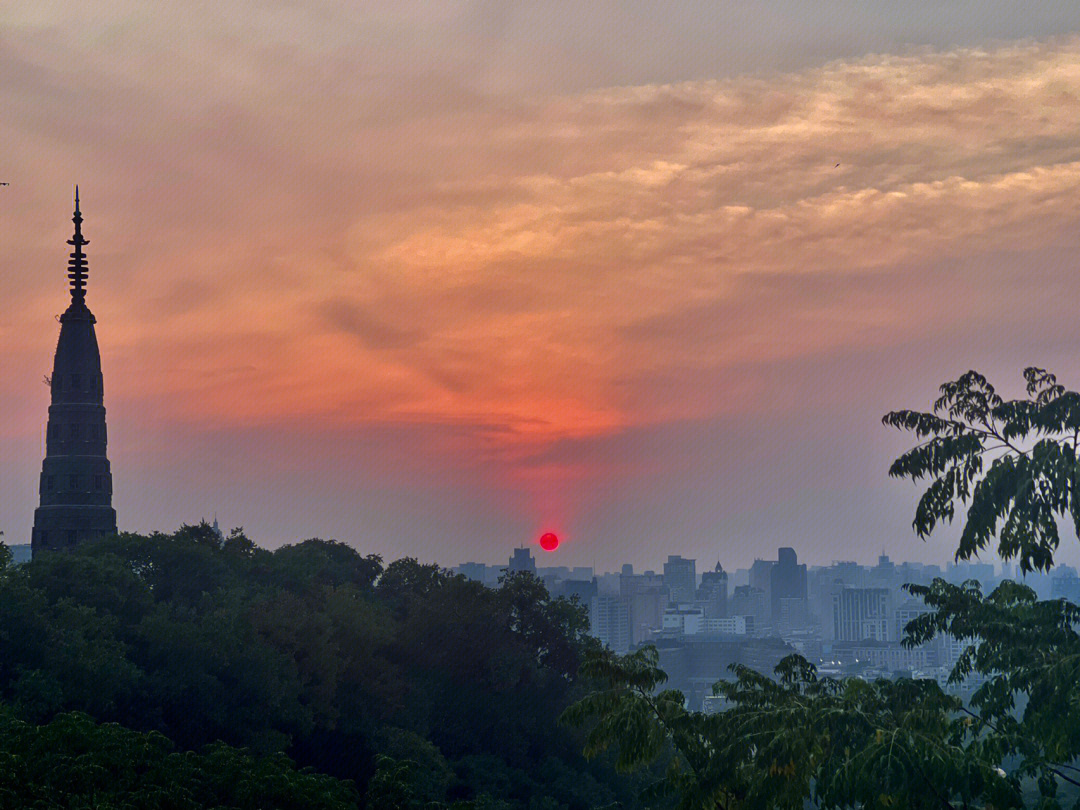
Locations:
(313, 651)
(797, 739)
(1012, 463)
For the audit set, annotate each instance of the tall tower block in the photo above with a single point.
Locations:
(76, 481)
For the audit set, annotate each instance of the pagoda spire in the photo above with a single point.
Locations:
(77, 269)
(75, 487)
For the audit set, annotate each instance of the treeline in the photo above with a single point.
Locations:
(402, 684)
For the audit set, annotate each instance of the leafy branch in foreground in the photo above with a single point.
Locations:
(1028, 654)
(782, 741)
(1013, 463)
(795, 738)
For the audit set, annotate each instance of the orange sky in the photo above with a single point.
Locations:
(429, 278)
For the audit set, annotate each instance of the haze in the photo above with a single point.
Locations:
(434, 278)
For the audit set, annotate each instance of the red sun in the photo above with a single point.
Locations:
(549, 541)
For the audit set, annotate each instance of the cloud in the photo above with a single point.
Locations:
(373, 332)
(324, 221)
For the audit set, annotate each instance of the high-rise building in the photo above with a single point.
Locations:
(609, 621)
(1064, 584)
(680, 577)
(962, 571)
(76, 479)
(907, 612)
(472, 570)
(712, 593)
(884, 575)
(792, 614)
(787, 580)
(647, 598)
(861, 614)
(583, 589)
(521, 561)
(761, 578)
(748, 600)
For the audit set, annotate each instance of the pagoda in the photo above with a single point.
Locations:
(76, 481)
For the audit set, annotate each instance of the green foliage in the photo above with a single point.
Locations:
(1012, 463)
(75, 763)
(391, 786)
(1027, 653)
(783, 741)
(313, 650)
(795, 740)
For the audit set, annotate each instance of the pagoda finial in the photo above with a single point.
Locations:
(77, 270)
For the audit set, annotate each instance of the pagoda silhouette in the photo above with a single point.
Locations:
(76, 481)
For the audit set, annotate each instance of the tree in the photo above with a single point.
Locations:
(797, 737)
(73, 762)
(313, 650)
(1013, 463)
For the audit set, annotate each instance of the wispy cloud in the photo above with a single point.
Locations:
(295, 224)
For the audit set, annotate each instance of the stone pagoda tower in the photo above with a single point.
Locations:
(76, 483)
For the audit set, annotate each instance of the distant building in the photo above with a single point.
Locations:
(607, 583)
(787, 580)
(553, 572)
(963, 571)
(584, 590)
(1064, 584)
(793, 614)
(522, 560)
(609, 621)
(950, 649)
(850, 573)
(680, 578)
(761, 578)
(884, 574)
(20, 553)
(694, 663)
(906, 613)
(472, 570)
(822, 586)
(890, 656)
(861, 614)
(728, 626)
(916, 573)
(712, 593)
(763, 654)
(683, 620)
(648, 599)
(688, 621)
(748, 600)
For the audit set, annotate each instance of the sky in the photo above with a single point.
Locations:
(433, 278)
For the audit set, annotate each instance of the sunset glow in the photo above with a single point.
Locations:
(428, 293)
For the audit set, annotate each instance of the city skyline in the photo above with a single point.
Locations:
(433, 284)
(547, 562)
